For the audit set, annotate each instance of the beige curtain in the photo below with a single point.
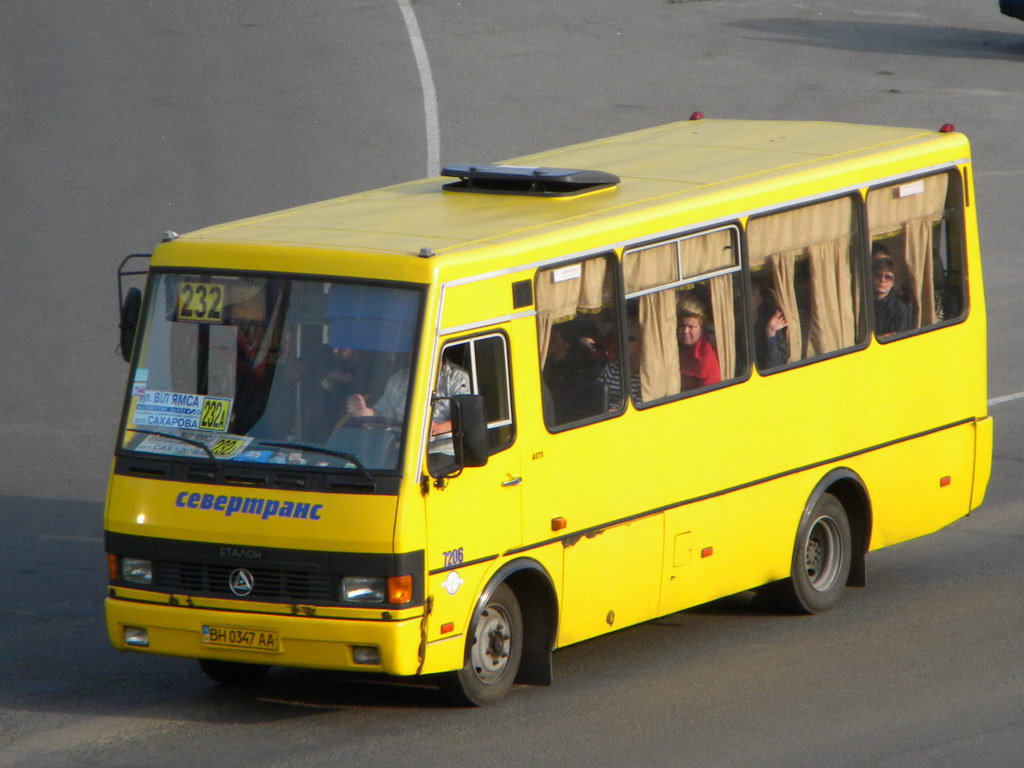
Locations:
(913, 208)
(651, 267)
(783, 266)
(659, 363)
(917, 237)
(797, 229)
(563, 292)
(723, 306)
(832, 312)
(717, 250)
(818, 230)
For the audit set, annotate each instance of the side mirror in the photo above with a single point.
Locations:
(130, 304)
(129, 321)
(469, 430)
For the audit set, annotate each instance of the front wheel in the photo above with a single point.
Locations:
(493, 654)
(821, 559)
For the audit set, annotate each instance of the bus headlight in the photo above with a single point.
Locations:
(363, 589)
(136, 571)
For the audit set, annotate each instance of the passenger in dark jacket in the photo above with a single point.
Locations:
(892, 314)
(771, 339)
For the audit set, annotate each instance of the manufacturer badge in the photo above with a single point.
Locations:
(452, 582)
(241, 582)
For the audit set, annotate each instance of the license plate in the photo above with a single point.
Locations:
(242, 637)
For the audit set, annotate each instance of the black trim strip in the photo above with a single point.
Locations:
(203, 561)
(594, 530)
(463, 565)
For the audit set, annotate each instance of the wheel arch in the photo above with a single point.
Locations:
(538, 603)
(851, 491)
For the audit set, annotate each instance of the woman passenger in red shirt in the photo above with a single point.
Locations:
(698, 360)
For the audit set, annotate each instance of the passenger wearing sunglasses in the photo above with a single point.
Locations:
(892, 314)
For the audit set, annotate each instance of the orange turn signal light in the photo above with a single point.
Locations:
(399, 589)
(558, 523)
(112, 566)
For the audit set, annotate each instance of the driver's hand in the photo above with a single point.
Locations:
(357, 408)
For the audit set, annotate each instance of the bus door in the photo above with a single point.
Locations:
(473, 515)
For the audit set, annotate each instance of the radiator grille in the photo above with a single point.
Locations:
(268, 583)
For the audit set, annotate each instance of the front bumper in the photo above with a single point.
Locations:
(304, 641)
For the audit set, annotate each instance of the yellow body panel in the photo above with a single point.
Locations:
(193, 511)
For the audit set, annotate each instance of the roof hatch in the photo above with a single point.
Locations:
(525, 180)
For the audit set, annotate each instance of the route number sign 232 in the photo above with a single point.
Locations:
(200, 302)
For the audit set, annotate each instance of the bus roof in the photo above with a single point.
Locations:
(664, 164)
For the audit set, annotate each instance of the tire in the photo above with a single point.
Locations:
(233, 673)
(822, 558)
(493, 652)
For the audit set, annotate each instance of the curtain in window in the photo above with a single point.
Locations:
(659, 364)
(704, 254)
(832, 311)
(651, 267)
(563, 292)
(783, 267)
(913, 208)
(822, 232)
(917, 238)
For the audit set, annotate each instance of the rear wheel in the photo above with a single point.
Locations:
(233, 673)
(821, 559)
(493, 654)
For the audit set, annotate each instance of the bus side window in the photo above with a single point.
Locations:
(804, 283)
(686, 296)
(578, 339)
(483, 363)
(917, 226)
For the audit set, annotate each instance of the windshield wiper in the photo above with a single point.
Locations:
(187, 440)
(318, 449)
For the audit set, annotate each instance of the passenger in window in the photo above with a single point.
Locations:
(771, 337)
(892, 313)
(598, 336)
(698, 360)
(611, 376)
(571, 391)
(881, 250)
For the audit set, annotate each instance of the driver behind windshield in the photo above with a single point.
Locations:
(452, 380)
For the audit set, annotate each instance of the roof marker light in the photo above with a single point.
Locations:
(697, 116)
(947, 128)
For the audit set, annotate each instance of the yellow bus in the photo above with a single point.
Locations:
(443, 428)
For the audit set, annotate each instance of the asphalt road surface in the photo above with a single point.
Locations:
(119, 120)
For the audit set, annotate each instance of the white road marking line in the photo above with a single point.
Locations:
(427, 85)
(1006, 398)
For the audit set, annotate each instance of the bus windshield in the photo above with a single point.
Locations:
(273, 370)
